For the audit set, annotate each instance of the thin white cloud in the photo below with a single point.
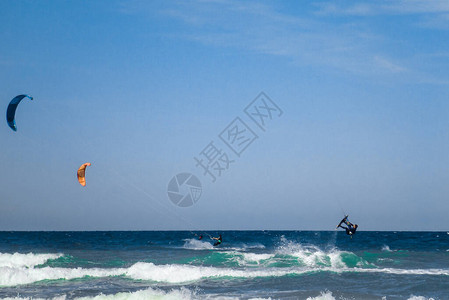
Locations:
(416, 6)
(332, 8)
(305, 38)
(263, 29)
(401, 7)
(440, 22)
(387, 64)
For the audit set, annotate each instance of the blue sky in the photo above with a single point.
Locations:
(140, 88)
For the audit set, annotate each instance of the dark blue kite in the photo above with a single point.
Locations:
(11, 111)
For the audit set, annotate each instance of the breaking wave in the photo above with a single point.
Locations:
(175, 294)
(175, 273)
(29, 260)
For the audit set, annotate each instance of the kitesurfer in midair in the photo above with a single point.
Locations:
(350, 228)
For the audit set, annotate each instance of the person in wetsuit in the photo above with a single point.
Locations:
(200, 237)
(219, 240)
(350, 229)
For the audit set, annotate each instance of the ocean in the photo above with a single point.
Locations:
(247, 265)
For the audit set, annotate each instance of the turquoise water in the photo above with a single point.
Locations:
(248, 265)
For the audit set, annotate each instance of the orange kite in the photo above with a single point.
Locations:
(82, 173)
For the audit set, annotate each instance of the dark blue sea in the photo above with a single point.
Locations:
(247, 265)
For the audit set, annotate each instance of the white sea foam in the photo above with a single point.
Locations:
(25, 273)
(180, 294)
(249, 259)
(176, 294)
(419, 298)
(15, 276)
(323, 296)
(385, 260)
(386, 248)
(256, 257)
(444, 272)
(195, 244)
(312, 256)
(179, 273)
(253, 246)
(25, 260)
(188, 273)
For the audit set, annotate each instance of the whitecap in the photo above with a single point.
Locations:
(176, 273)
(323, 296)
(314, 257)
(194, 244)
(188, 273)
(386, 248)
(257, 257)
(175, 294)
(16, 276)
(419, 298)
(25, 260)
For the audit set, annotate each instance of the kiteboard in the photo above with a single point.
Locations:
(342, 221)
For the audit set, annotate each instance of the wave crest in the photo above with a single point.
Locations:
(314, 257)
(194, 244)
(175, 294)
(28, 260)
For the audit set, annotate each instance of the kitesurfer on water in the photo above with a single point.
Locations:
(219, 240)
